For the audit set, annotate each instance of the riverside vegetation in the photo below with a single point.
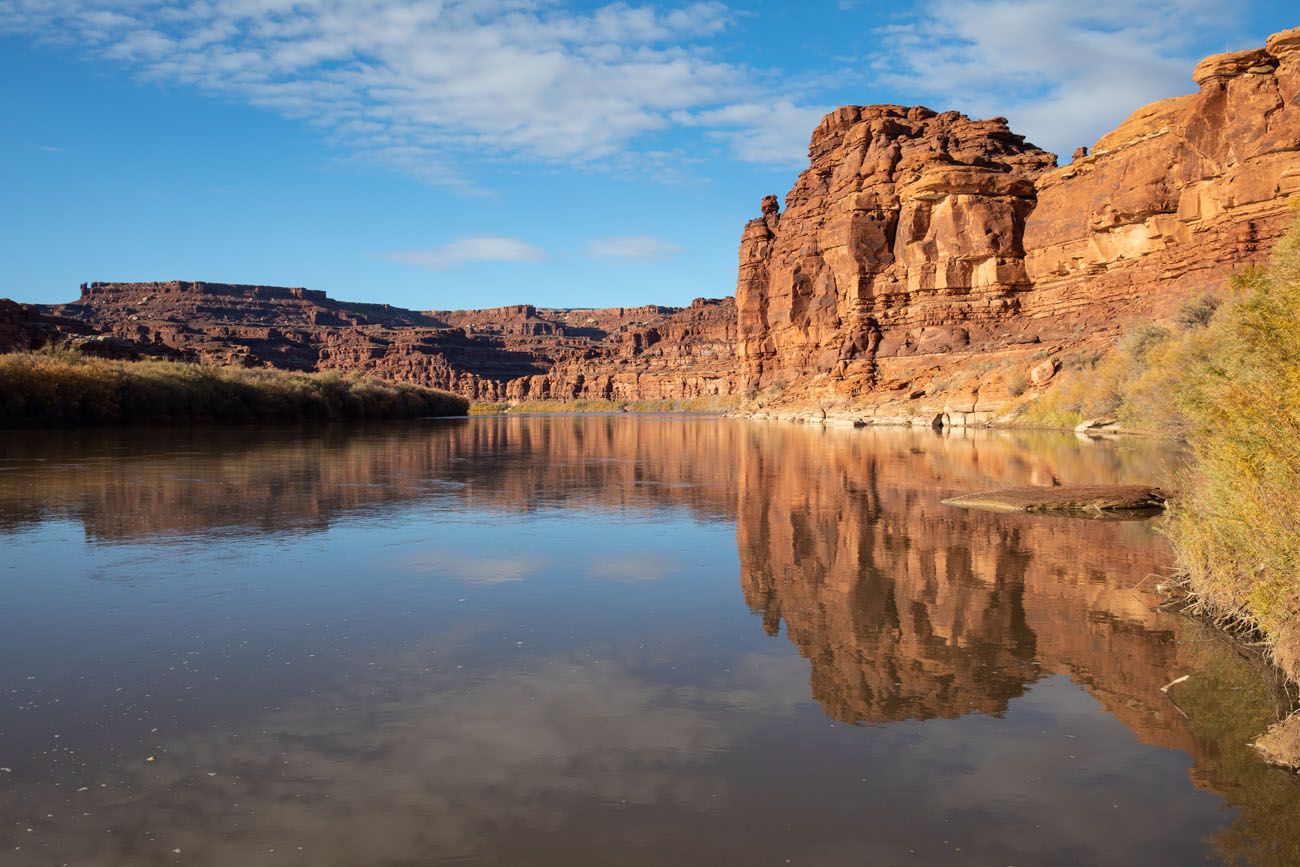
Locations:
(54, 387)
(1225, 377)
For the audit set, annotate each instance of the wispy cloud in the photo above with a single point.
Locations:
(633, 567)
(422, 85)
(502, 569)
(1063, 73)
(476, 248)
(764, 132)
(642, 248)
(50, 149)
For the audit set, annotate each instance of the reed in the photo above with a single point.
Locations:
(60, 388)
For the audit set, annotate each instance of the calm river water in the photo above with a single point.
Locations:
(605, 640)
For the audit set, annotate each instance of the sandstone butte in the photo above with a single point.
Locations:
(925, 268)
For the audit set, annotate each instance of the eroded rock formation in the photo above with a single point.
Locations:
(903, 237)
(926, 265)
(24, 326)
(505, 353)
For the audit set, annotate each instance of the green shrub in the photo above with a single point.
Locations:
(1198, 312)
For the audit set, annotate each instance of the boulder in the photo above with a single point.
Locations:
(1102, 424)
(1280, 745)
(1042, 373)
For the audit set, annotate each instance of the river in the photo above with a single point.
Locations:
(604, 640)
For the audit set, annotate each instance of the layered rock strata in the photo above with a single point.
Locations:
(929, 267)
(505, 353)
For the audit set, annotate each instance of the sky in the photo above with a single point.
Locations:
(470, 153)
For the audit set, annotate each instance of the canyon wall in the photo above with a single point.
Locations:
(518, 352)
(927, 266)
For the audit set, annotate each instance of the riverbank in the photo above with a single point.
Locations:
(718, 405)
(1224, 377)
(57, 388)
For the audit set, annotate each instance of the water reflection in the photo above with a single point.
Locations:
(517, 641)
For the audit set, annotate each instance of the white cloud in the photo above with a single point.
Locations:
(1063, 74)
(422, 85)
(643, 248)
(773, 133)
(476, 248)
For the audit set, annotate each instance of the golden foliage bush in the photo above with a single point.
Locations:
(61, 388)
(1225, 378)
(1237, 524)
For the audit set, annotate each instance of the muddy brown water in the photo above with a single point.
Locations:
(605, 640)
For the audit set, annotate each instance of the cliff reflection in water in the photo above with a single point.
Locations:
(904, 609)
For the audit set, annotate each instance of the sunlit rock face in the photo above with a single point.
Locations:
(903, 235)
(518, 352)
(925, 261)
(1184, 192)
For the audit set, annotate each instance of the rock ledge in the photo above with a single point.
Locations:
(1095, 500)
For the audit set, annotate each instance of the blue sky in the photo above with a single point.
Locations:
(470, 153)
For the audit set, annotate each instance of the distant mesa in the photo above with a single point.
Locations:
(516, 352)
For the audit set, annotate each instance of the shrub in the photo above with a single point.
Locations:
(1198, 312)
(1237, 526)
(1017, 383)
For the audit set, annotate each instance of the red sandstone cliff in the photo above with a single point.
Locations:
(924, 259)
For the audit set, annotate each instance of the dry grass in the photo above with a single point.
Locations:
(1129, 383)
(59, 388)
(1237, 525)
(1225, 378)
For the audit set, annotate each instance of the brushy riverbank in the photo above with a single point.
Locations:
(594, 405)
(1225, 377)
(54, 388)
